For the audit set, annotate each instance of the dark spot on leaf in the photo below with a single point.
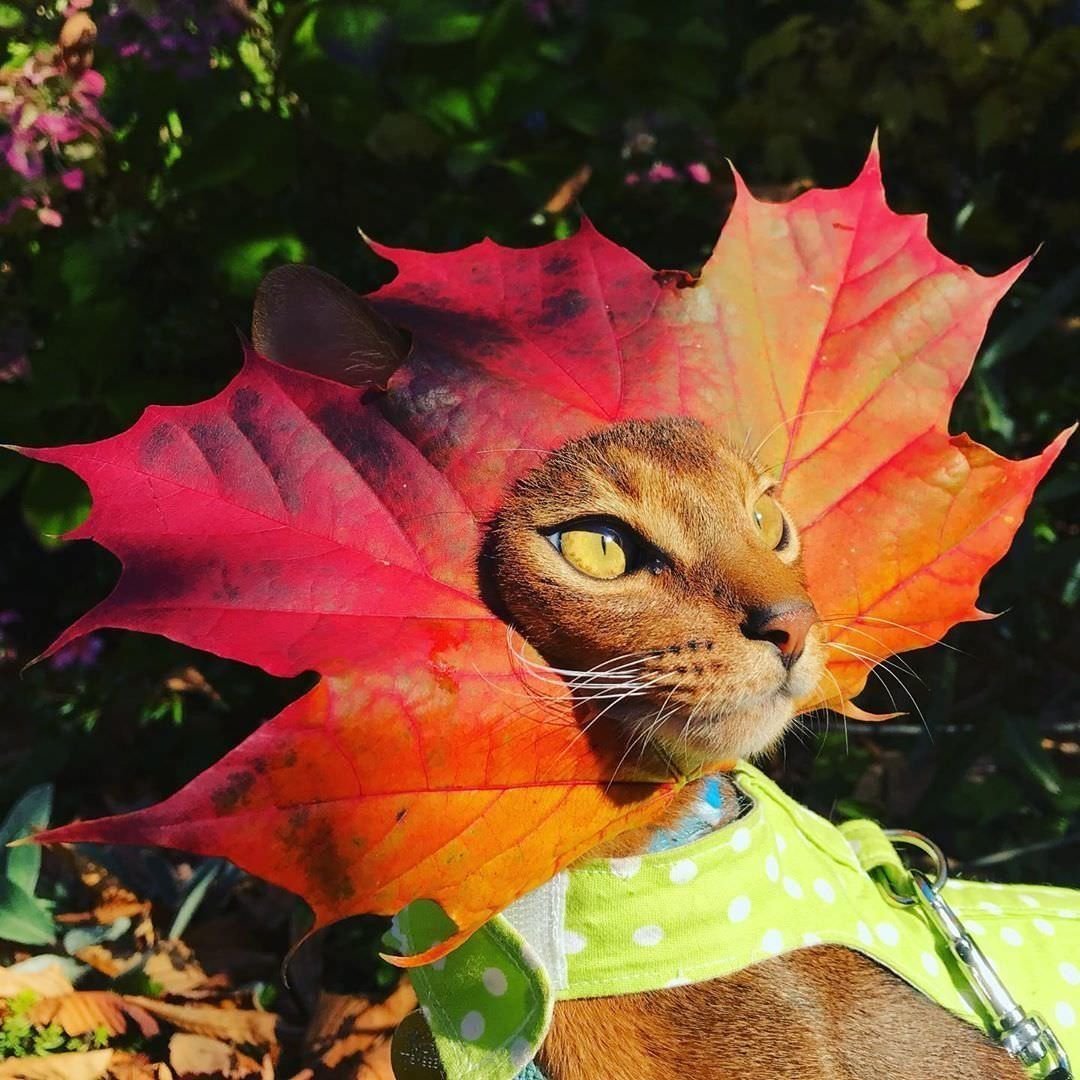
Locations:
(267, 442)
(841, 225)
(213, 441)
(158, 442)
(562, 308)
(325, 864)
(558, 265)
(227, 798)
(401, 814)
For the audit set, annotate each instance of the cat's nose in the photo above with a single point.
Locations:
(783, 625)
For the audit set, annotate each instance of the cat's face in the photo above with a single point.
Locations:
(652, 559)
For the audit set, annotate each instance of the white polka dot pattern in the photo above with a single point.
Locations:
(472, 1026)
(648, 936)
(494, 980)
(772, 868)
(683, 872)
(773, 941)
(887, 933)
(738, 909)
(573, 943)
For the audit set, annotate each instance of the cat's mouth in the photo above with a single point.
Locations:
(704, 706)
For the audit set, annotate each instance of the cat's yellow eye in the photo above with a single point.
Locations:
(600, 552)
(769, 519)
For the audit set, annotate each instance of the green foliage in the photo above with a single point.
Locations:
(20, 1037)
(23, 917)
(432, 123)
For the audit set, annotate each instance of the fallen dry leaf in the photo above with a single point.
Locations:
(137, 1067)
(84, 1011)
(101, 958)
(50, 981)
(88, 1066)
(199, 1055)
(348, 1029)
(216, 1021)
(172, 965)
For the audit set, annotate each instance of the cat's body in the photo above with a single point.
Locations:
(821, 1013)
(650, 565)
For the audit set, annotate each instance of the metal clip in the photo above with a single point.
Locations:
(1026, 1036)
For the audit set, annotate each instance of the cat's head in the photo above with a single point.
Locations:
(649, 564)
(653, 568)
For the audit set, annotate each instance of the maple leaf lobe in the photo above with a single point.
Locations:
(298, 524)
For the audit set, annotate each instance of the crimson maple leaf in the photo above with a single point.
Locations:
(299, 524)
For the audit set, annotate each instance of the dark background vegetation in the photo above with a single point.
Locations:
(241, 137)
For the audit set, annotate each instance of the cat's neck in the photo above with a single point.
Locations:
(712, 801)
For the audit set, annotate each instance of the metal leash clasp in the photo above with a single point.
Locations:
(1026, 1036)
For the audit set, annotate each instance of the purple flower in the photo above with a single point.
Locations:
(59, 127)
(660, 172)
(176, 34)
(50, 131)
(22, 156)
(698, 171)
(82, 652)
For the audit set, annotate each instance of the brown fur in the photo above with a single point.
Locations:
(689, 494)
(823, 1012)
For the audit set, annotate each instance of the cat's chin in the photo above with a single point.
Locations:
(727, 733)
(723, 730)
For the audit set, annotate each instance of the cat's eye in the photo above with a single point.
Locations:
(769, 519)
(599, 551)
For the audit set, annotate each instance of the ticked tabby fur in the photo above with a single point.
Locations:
(705, 621)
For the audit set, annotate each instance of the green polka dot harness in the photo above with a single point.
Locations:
(777, 879)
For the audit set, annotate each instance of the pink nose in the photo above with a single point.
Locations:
(782, 625)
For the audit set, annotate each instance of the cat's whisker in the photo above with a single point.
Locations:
(929, 638)
(784, 423)
(900, 682)
(886, 662)
(874, 669)
(843, 716)
(889, 656)
(586, 727)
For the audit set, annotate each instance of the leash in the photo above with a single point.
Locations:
(1025, 1036)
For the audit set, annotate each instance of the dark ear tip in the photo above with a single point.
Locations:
(306, 319)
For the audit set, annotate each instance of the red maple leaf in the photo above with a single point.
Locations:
(298, 524)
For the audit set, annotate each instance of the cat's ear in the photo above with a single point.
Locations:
(310, 321)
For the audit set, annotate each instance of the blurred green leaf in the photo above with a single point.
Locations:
(10, 17)
(245, 264)
(54, 502)
(22, 918)
(21, 865)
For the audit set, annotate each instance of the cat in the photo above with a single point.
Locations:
(660, 546)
